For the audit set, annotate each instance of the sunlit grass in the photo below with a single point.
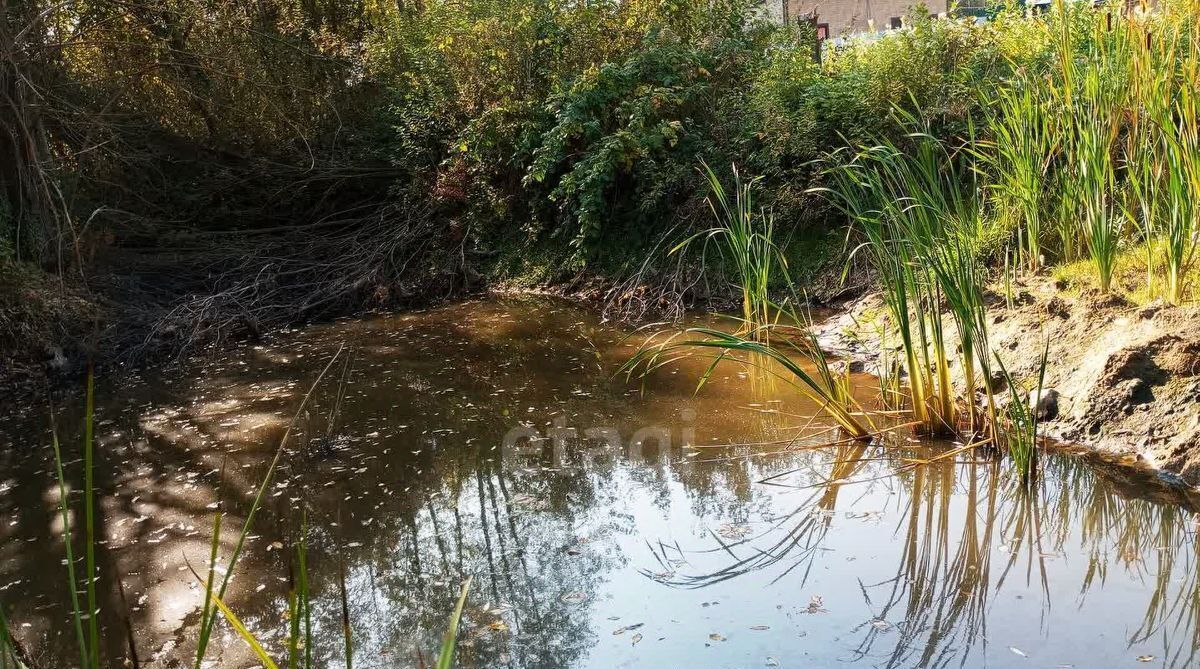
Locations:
(745, 238)
(1130, 281)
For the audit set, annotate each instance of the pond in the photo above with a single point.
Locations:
(604, 522)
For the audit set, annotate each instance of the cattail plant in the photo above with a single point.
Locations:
(1019, 154)
(746, 239)
(918, 212)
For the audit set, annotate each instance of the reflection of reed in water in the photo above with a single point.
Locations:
(1153, 539)
(804, 529)
(957, 518)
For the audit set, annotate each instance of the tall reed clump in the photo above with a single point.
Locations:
(746, 240)
(1092, 92)
(1018, 155)
(1164, 153)
(917, 211)
(1103, 140)
(1181, 151)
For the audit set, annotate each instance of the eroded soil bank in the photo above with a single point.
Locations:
(1127, 377)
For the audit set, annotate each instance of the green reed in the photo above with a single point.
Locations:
(300, 605)
(745, 239)
(11, 655)
(824, 386)
(208, 618)
(446, 656)
(1019, 154)
(88, 644)
(1020, 438)
(918, 213)
(1178, 152)
(1101, 142)
(1095, 115)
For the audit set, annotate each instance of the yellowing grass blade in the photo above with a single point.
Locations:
(244, 633)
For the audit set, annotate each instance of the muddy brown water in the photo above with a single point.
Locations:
(604, 523)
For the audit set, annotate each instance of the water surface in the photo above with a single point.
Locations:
(605, 523)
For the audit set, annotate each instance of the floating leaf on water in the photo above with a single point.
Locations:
(731, 531)
(772, 662)
(759, 628)
(816, 605)
(715, 637)
(635, 639)
(1018, 651)
(574, 597)
(630, 628)
(1145, 658)
(882, 625)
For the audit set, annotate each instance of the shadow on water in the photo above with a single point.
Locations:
(620, 528)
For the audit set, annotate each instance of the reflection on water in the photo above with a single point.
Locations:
(609, 532)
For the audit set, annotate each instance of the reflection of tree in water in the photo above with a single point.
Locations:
(957, 517)
(512, 531)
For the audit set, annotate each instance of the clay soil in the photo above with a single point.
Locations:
(1127, 376)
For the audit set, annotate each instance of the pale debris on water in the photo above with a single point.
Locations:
(816, 605)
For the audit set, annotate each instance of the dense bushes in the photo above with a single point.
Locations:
(492, 132)
(534, 122)
(579, 127)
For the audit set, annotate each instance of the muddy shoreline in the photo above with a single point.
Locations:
(1127, 377)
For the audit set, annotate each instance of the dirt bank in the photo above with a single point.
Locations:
(47, 327)
(1127, 377)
